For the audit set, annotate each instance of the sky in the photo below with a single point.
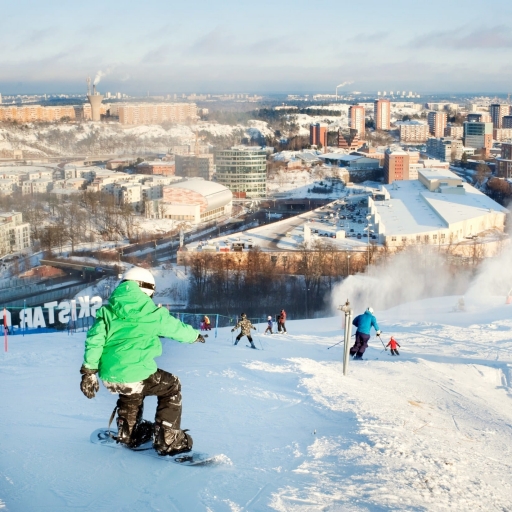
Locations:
(165, 46)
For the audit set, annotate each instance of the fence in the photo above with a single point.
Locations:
(83, 324)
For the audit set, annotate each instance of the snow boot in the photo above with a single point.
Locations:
(168, 441)
(141, 432)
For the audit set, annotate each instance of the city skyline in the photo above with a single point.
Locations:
(262, 47)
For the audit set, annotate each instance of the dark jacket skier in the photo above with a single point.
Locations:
(245, 325)
(364, 323)
(121, 347)
(281, 321)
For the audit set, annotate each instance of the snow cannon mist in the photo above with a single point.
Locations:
(414, 274)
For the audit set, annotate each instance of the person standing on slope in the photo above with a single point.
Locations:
(121, 347)
(364, 325)
(245, 326)
(392, 345)
(270, 324)
(281, 321)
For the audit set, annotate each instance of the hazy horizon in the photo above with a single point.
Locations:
(256, 48)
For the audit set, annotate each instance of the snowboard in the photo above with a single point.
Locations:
(104, 437)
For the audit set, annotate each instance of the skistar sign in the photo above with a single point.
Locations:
(64, 312)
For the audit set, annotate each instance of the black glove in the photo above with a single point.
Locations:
(89, 385)
(200, 338)
(232, 330)
(254, 328)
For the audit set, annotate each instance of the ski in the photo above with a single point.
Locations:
(254, 348)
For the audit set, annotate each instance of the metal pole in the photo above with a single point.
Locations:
(348, 329)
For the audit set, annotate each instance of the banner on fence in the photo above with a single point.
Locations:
(63, 311)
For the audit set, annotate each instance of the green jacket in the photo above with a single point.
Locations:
(124, 340)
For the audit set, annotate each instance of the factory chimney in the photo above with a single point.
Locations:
(95, 101)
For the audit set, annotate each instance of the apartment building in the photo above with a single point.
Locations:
(445, 149)
(382, 114)
(504, 163)
(157, 167)
(413, 131)
(396, 165)
(437, 123)
(156, 113)
(454, 132)
(318, 134)
(498, 111)
(356, 119)
(14, 233)
(502, 134)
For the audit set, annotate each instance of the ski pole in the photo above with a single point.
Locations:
(382, 342)
(335, 344)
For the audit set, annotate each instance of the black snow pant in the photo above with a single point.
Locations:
(281, 327)
(394, 352)
(161, 384)
(239, 337)
(360, 345)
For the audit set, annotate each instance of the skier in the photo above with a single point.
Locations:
(246, 326)
(281, 320)
(364, 325)
(270, 324)
(207, 324)
(121, 346)
(393, 344)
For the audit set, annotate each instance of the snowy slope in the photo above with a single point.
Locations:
(429, 430)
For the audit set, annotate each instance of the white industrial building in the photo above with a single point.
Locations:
(438, 208)
(196, 201)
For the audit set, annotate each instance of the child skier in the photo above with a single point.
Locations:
(246, 326)
(393, 344)
(121, 346)
(270, 323)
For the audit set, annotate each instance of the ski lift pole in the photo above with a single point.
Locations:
(348, 329)
(5, 331)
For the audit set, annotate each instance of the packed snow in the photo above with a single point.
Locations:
(427, 430)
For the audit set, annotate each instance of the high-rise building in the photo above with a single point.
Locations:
(318, 134)
(243, 170)
(478, 136)
(382, 114)
(497, 111)
(504, 163)
(478, 117)
(506, 122)
(437, 123)
(356, 119)
(396, 165)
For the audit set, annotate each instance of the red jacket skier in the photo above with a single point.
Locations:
(281, 321)
(393, 344)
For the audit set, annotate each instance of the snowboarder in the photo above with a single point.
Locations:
(121, 346)
(270, 324)
(281, 320)
(207, 324)
(245, 326)
(393, 344)
(364, 325)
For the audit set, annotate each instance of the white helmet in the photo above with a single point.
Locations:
(269, 318)
(144, 278)
(370, 310)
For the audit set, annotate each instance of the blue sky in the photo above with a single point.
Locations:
(259, 46)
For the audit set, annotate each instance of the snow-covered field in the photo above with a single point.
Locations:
(428, 430)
